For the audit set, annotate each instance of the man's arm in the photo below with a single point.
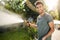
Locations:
(33, 25)
(30, 24)
(51, 25)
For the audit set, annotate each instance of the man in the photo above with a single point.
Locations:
(45, 24)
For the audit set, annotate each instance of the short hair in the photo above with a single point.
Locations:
(38, 2)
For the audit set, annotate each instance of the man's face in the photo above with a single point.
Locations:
(40, 8)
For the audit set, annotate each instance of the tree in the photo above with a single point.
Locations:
(30, 4)
(59, 8)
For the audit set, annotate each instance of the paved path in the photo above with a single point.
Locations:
(56, 35)
(7, 17)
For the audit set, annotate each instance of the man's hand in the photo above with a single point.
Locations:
(30, 24)
(27, 23)
(44, 38)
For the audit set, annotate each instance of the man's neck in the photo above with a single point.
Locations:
(42, 14)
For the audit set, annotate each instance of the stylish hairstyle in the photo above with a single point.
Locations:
(38, 2)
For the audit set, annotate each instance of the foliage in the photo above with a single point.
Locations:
(54, 14)
(18, 7)
(15, 5)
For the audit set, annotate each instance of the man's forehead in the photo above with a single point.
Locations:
(39, 5)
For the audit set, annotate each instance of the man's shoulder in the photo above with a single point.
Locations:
(47, 14)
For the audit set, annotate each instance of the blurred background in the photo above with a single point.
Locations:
(14, 12)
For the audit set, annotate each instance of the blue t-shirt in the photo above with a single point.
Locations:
(42, 24)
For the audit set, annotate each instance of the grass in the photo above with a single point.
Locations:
(19, 34)
(15, 35)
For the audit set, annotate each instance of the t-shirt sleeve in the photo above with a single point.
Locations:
(49, 18)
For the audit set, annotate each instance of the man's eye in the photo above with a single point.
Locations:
(36, 7)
